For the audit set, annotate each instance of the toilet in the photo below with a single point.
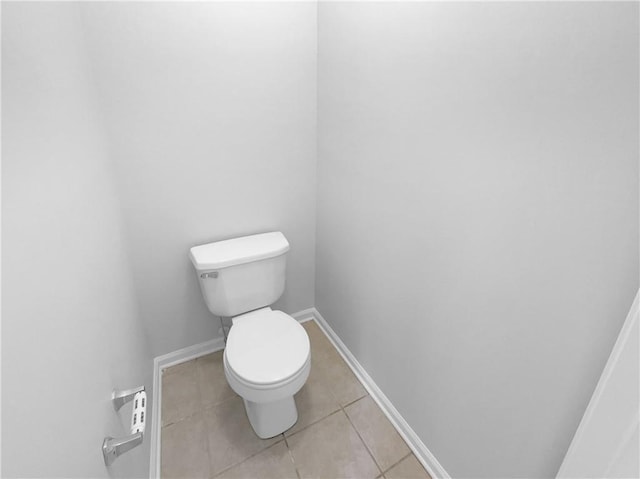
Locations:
(267, 356)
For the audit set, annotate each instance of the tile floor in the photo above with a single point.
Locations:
(340, 432)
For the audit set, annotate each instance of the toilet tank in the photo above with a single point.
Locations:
(241, 274)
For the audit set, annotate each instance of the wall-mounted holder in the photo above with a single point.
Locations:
(114, 447)
(121, 397)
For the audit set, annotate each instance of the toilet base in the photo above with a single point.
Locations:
(271, 418)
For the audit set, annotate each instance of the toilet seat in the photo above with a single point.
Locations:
(267, 349)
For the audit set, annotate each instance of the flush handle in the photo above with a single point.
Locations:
(210, 274)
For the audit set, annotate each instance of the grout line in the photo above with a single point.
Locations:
(343, 408)
(208, 444)
(200, 410)
(370, 391)
(314, 422)
(203, 409)
(356, 400)
(293, 459)
(197, 374)
(251, 456)
(396, 463)
(382, 471)
(425, 457)
(363, 441)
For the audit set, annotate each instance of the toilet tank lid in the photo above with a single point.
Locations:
(231, 252)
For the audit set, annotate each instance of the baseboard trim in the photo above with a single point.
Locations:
(154, 459)
(304, 315)
(419, 449)
(422, 453)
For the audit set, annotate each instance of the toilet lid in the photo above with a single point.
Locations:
(266, 347)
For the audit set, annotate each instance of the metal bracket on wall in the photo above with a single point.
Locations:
(121, 397)
(112, 447)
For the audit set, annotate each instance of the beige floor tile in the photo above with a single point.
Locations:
(206, 431)
(319, 341)
(314, 402)
(212, 382)
(180, 394)
(178, 368)
(331, 448)
(272, 463)
(338, 377)
(408, 468)
(231, 438)
(379, 435)
(184, 452)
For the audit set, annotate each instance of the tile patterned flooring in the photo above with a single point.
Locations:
(340, 433)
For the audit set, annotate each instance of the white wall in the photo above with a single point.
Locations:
(211, 109)
(70, 324)
(478, 214)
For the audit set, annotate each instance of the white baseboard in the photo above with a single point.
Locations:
(304, 315)
(422, 453)
(154, 459)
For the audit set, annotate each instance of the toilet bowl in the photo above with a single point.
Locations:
(267, 355)
(266, 361)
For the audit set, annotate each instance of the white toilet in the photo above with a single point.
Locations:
(267, 357)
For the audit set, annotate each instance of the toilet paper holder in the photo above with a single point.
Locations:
(114, 447)
(122, 397)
